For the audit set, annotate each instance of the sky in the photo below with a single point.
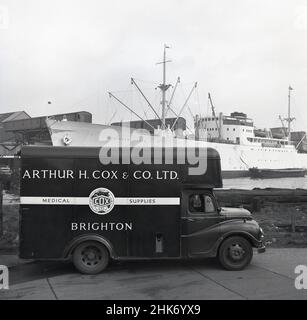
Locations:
(73, 52)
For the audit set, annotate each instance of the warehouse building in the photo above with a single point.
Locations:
(18, 128)
(7, 139)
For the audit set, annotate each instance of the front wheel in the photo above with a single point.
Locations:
(235, 253)
(90, 257)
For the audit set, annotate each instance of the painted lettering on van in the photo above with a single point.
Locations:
(99, 174)
(48, 174)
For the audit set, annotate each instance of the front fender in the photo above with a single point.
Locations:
(246, 228)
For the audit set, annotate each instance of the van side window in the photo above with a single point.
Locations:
(209, 205)
(200, 203)
(196, 203)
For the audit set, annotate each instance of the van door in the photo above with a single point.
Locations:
(200, 222)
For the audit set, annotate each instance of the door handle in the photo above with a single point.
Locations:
(191, 219)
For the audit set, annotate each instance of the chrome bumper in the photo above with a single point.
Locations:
(261, 249)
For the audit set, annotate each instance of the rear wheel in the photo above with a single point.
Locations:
(90, 257)
(235, 253)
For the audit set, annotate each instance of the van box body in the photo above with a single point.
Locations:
(146, 221)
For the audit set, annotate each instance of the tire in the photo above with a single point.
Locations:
(90, 257)
(235, 253)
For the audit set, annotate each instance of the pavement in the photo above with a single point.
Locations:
(270, 276)
(12, 260)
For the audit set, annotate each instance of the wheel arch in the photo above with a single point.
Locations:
(247, 236)
(88, 237)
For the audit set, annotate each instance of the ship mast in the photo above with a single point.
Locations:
(283, 125)
(163, 86)
(289, 119)
(166, 105)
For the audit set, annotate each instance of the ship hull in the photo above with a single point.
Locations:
(232, 174)
(236, 160)
(276, 173)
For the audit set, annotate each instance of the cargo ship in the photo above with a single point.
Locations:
(241, 145)
(238, 145)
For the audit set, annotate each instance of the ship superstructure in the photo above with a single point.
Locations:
(235, 129)
(243, 147)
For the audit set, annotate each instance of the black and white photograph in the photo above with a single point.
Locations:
(153, 152)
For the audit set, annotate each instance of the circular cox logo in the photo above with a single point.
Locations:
(101, 201)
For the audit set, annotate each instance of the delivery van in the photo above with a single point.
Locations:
(74, 205)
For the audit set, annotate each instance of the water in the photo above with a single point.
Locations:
(248, 183)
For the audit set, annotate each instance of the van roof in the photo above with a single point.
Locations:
(84, 152)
